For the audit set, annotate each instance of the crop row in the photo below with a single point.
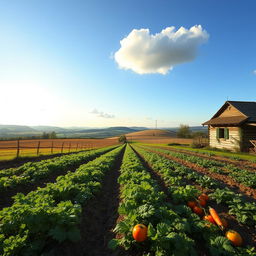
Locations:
(51, 214)
(34, 171)
(180, 193)
(172, 228)
(245, 212)
(242, 176)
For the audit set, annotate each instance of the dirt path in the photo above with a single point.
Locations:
(6, 199)
(243, 164)
(99, 218)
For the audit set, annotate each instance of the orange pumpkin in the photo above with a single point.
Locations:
(204, 197)
(198, 210)
(234, 238)
(140, 232)
(210, 219)
(191, 204)
(202, 202)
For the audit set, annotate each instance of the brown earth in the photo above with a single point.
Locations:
(8, 149)
(99, 217)
(156, 136)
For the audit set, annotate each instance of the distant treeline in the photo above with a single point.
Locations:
(44, 135)
(185, 132)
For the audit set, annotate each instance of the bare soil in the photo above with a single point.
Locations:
(98, 220)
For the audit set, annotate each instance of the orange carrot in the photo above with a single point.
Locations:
(216, 218)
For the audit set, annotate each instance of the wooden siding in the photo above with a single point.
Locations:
(248, 133)
(233, 143)
(230, 111)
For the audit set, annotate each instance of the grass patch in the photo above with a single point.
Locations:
(232, 155)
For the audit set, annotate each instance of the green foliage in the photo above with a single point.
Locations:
(51, 214)
(122, 139)
(184, 131)
(33, 171)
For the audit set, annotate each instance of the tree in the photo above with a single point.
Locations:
(122, 139)
(184, 131)
(52, 135)
(45, 135)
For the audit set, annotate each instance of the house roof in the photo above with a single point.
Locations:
(246, 108)
(233, 120)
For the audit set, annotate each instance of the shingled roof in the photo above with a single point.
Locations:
(247, 109)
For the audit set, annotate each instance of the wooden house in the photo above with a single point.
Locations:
(233, 127)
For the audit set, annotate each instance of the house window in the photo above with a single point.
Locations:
(222, 133)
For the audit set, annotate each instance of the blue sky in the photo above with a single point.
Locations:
(58, 66)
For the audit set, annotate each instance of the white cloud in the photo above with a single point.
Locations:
(254, 71)
(145, 53)
(101, 114)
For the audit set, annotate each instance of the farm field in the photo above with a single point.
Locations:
(32, 148)
(221, 154)
(156, 136)
(87, 203)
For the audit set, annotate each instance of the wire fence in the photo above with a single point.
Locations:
(18, 148)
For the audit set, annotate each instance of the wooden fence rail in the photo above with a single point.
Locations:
(65, 145)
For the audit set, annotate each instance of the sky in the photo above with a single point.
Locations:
(95, 63)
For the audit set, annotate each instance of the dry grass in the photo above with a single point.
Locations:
(156, 136)
(8, 149)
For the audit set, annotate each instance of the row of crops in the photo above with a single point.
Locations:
(165, 208)
(172, 227)
(34, 171)
(52, 213)
(246, 177)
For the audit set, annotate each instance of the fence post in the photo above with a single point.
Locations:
(52, 148)
(76, 146)
(69, 146)
(62, 147)
(18, 148)
(38, 147)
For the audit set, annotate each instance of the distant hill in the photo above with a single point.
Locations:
(192, 128)
(43, 128)
(152, 132)
(101, 133)
(14, 131)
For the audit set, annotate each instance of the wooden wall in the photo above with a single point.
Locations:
(233, 143)
(249, 133)
(230, 111)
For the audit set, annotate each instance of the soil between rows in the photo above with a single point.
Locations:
(99, 217)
